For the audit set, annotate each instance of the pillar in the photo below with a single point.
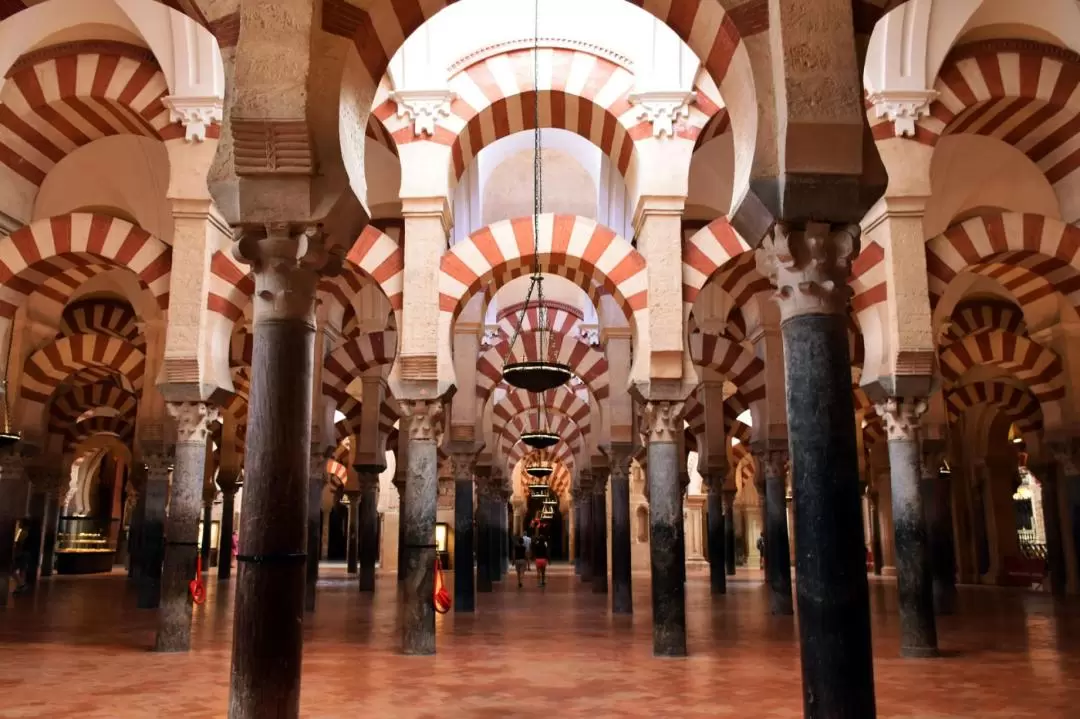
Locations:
(462, 462)
(622, 599)
(875, 531)
(663, 424)
(483, 536)
(352, 536)
(1066, 456)
(809, 265)
(421, 489)
(228, 510)
(13, 487)
(587, 558)
(937, 501)
(268, 615)
(316, 483)
(399, 485)
(772, 459)
(504, 533)
(717, 530)
(36, 508)
(600, 537)
(1055, 552)
(369, 524)
(152, 536)
(495, 509)
(729, 531)
(207, 532)
(52, 518)
(193, 420)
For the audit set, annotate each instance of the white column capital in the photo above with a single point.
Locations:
(196, 114)
(902, 107)
(809, 266)
(901, 416)
(424, 107)
(663, 109)
(193, 420)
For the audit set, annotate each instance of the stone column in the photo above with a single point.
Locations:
(587, 540)
(13, 491)
(717, 541)
(152, 535)
(809, 266)
(663, 424)
(680, 545)
(193, 420)
(268, 616)
(352, 536)
(600, 536)
(399, 485)
(1065, 455)
(622, 598)
(729, 531)
(316, 483)
(462, 461)
(504, 533)
(35, 513)
(207, 529)
(875, 530)
(228, 488)
(52, 518)
(941, 551)
(496, 509)
(773, 461)
(483, 536)
(425, 432)
(368, 549)
(918, 633)
(1055, 552)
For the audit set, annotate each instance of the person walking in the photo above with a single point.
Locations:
(519, 559)
(528, 551)
(540, 554)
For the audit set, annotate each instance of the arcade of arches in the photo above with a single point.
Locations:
(814, 266)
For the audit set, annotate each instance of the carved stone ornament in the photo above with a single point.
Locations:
(774, 463)
(193, 420)
(158, 467)
(424, 107)
(662, 420)
(196, 114)
(664, 109)
(902, 107)
(425, 419)
(901, 417)
(809, 267)
(1067, 455)
(619, 455)
(461, 466)
(714, 479)
(271, 147)
(287, 265)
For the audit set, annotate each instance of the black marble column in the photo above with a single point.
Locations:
(228, 509)
(587, 543)
(684, 483)
(35, 528)
(52, 517)
(664, 424)
(504, 537)
(270, 582)
(464, 588)
(875, 531)
(1055, 552)
(622, 599)
(576, 498)
(421, 488)
(1073, 494)
(182, 525)
(716, 540)
(399, 485)
(316, 483)
(352, 536)
(600, 550)
(152, 535)
(495, 508)
(729, 531)
(207, 533)
(13, 494)
(772, 459)
(483, 537)
(937, 498)
(369, 524)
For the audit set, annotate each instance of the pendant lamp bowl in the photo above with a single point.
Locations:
(540, 440)
(539, 472)
(8, 439)
(536, 377)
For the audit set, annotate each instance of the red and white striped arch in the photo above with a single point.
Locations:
(352, 359)
(972, 317)
(115, 318)
(122, 427)
(1030, 255)
(1017, 403)
(737, 364)
(559, 454)
(559, 481)
(1038, 367)
(586, 362)
(337, 472)
(569, 432)
(709, 249)
(377, 132)
(573, 247)
(352, 408)
(556, 401)
(561, 318)
(51, 365)
(54, 105)
(66, 408)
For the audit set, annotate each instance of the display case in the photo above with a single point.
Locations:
(85, 545)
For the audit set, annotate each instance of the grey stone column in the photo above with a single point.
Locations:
(875, 530)
(425, 419)
(663, 423)
(918, 630)
(399, 485)
(36, 515)
(13, 494)
(577, 498)
(228, 488)
(1067, 456)
(152, 534)
(622, 598)
(504, 534)
(135, 558)
(495, 507)
(937, 503)
(52, 518)
(729, 531)
(483, 536)
(352, 534)
(587, 543)
(809, 265)
(463, 459)
(193, 420)
(772, 459)
(716, 536)
(369, 524)
(270, 583)
(207, 533)
(1048, 474)
(316, 483)
(600, 537)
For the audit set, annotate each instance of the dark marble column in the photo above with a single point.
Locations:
(772, 458)
(937, 501)
(352, 536)
(463, 460)
(809, 265)
(228, 510)
(399, 485)
(207, 533)
(368, 549)
(135, 531)
(495, 508)
(600, 549)
(622, 599)
(684, 484)
(193, 420)
(716, 530)
(663, 424)
(875, 531)
(1047, 474)
(421, 488)
(1067, 457)
(316, 483)
(270, 582)
(152, 536)
(577, 497)
(52, 518)
(729, 531)
(36, 515)
(13, 494)
(483, 536)
(918, 631)
(504, 535)
(585, 480)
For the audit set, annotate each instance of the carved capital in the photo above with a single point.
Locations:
(425, 418)
(158, 467)
(424, 107)
(620, 455)
(193, 420)
(729, 500)
(809, 267)
(662, 421)
(367, 475)
(663, 109)
(287, 264)
(902, 107)
(196, 114)
(714, 480)
(901, 417)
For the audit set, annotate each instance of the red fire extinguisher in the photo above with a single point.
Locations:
(441, 599)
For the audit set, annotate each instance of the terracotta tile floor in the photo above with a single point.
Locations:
(79, 648)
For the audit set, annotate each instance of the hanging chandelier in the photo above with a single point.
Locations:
(544, 372)
(540, 438)
(537, 468)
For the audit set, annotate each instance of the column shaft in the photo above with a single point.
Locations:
(228, 508)
(622, 598)
(152, 536)
(587, 542)
(939, 526)
(48, 544)
(717, 553)
(483, 541)
(495, 538)
(369, 532)
(600, 551)
(207, 534)
(665, 523)
(422, 491)
(36, 515)
(875, 536)
(352, 538)
(777, 547)
(729, 531)
(13, 489)
(314, 537)
(400, 486)
(464, 589)
(1055, 552)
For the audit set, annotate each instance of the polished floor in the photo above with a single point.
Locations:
(78, 648)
